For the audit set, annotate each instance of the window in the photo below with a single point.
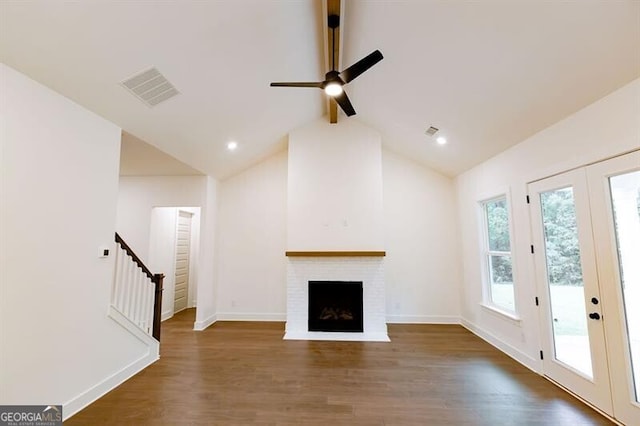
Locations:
(497, 255)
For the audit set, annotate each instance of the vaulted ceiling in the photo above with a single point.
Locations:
(488, 74)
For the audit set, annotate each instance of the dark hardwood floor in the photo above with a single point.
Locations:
(241, 373)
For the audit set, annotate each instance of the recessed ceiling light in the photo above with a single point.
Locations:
(441, 140)
(232, 145)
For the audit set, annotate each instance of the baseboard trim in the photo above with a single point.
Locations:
(521, 357)
(81, 401)
(201, 325)
(166, 315)
(250, 316)
(422, 319)
(95, 392)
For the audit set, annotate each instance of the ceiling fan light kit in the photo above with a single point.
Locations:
(333, 89)
(333, 80)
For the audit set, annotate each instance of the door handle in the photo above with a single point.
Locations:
(594, 315)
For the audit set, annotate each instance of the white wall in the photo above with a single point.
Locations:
(162, 247)
(606, 128)
(59, 193)
(335, 188)
(251, 243)
(138, 195)
(421, 239)
(207, 281)
(421, 267)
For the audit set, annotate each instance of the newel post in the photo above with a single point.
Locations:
(157, 305)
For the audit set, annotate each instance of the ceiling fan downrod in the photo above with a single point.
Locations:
(333, 22)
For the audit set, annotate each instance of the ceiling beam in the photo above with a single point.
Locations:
(333, 48)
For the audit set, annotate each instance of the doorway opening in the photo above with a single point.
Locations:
(174, 248)
(586, 233)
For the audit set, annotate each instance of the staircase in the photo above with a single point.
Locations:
(137, 292)
(136, 299)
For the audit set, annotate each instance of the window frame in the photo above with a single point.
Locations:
(486, 254)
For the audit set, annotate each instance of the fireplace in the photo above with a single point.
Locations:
(335, 306)
(366, 272)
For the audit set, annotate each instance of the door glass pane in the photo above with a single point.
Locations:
(625, 194)
(564, 278)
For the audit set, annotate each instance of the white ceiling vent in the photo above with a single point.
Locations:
(150, 87)
(431, 131)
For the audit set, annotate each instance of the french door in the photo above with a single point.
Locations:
(614, 191)
(586, 235)
(574, 353)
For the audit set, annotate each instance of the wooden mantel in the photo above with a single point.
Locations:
(335, 253)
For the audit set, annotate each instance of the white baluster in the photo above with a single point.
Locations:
(134, 292)
(121, 281)
(124, 264)
(135, 314)
(116, 282)
(143, 285)
(152, 299)
(114, 286)
(136, 296)
(131, 274)
(145, 305)
(140, 304)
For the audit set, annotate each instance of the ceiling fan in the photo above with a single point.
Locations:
(333, 80)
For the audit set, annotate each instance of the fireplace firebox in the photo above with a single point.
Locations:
(335, 306)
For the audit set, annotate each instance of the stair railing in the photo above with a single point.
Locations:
(137, 292)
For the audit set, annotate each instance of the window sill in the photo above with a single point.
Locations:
(501, 313)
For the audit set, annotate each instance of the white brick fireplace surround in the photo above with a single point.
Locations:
(368, 269)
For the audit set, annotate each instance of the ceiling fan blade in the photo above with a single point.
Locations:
(313, 84)
(361, 66)
(343, 100)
